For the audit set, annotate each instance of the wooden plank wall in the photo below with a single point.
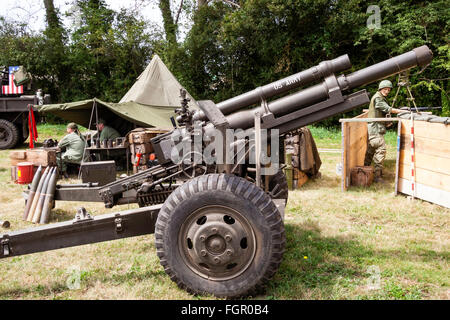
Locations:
(354, 145)
(432, 161)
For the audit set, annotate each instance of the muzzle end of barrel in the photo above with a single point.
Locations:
(424, 55)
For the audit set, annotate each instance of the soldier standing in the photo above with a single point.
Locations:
(74, 148)
(376, 146)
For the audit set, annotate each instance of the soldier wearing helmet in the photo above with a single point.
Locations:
(376, 146)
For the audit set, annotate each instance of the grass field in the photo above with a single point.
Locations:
(361, 244)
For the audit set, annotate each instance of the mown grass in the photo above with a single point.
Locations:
(331, 137)
(366, 243)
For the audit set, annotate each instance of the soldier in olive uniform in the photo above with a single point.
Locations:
(109, 133)
(376, 146)
(74, 147)
(106, 132)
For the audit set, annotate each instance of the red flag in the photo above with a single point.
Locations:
(32, 126)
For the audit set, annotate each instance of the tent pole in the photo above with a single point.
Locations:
(85, 144)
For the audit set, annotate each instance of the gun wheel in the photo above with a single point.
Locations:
(278, 186)
(220, 234)
(194, 166)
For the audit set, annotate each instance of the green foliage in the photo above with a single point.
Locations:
(206, 73)
(445, 104)
(99, 56)
(108, 51)
(406, 25)
(229, 50)
(20, 47)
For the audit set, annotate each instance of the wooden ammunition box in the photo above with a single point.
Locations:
(142, 135)
(143, 148)
(38, 156)
(361, 176)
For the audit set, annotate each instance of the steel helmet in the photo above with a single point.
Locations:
(385, 84)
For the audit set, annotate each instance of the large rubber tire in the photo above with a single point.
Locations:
(9, 134)
(278, 186)
(220, 234)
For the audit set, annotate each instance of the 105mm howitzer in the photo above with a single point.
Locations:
(218, 225)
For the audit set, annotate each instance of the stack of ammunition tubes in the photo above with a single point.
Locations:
(41, 195)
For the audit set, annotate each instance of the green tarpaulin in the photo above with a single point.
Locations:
(150, 102)
(81, 112)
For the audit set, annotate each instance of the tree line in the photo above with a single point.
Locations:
(231, 46)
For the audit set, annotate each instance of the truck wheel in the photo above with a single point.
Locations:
(220, 234)
(9, 134)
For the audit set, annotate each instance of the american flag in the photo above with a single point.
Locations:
(12, 88)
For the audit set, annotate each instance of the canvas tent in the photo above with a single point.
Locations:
(150, 102)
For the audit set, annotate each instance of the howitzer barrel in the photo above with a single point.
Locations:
(302, 78)
(418, 57)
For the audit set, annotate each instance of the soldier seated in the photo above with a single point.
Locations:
(106, 132)
(72, 148)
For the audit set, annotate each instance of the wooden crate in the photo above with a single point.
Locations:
(37, 156)
(354, 144)
(142, 148)
(144, 136)
(432, 161)
(431, 157)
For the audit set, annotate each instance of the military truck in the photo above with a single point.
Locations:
(15, 96)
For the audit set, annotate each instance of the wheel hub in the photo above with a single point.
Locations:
(215, 245)
(213, 242)
(217, 242)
